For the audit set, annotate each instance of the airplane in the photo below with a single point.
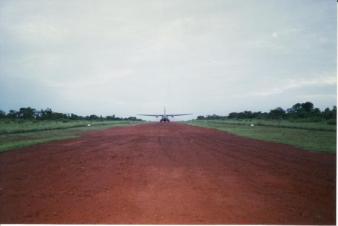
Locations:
(164, 116)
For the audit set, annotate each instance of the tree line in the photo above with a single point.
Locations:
(301, 111)
(28, 113)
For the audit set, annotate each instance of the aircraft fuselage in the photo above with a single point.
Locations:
(164, 119)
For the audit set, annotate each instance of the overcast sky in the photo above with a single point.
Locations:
(203, 57)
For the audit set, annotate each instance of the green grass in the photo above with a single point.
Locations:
(322, 125)
(312, 136)
(22, 126)
(15, 134)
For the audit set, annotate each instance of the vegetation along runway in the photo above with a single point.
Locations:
(166, 173)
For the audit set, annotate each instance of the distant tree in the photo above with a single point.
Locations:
(132, 119)
(301, 110)
(12, 114)
(326, 113)
(93, 117)
(257, 114)
(214, 117)
(232, 115)
(277, 113)
(200, 117)
(297, 107)
(248, 115)
(111, 117)
(261, 115)
(58, 116)
(307, 106)
(330, 114)
(74, 116)
(315, 113)
(27, 113)
(2, 114)
(334, 115)
(304, 110)
(46, 114)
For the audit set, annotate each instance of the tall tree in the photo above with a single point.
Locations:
(27, 113)
(277, 113)
(2, 114)
(307, 106)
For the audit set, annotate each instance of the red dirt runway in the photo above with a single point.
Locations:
(166, 173)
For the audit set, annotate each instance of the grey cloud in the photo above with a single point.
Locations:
(126, 57)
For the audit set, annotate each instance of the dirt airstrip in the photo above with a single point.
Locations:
(168, 174)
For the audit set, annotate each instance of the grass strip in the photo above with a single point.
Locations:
(14, 140)
(29, 126)
(320, 126)
(312, 140)
(27, 143)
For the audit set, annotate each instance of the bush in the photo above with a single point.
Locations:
(332, 122)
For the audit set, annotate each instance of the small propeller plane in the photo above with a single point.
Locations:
(164, 116)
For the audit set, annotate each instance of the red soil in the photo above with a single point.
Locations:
(166, 173)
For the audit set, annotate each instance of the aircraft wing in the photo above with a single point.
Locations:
(172, 115)
(151, 115)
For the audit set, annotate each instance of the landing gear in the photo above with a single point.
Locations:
(164, 120)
